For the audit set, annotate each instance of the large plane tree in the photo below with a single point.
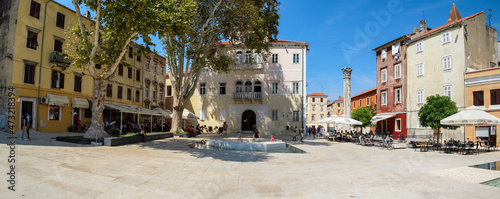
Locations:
(106, 38)
(248, 24)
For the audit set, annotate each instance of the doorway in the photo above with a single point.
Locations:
(248, 120)
(76, 116)
(384, 127)
(27, 106)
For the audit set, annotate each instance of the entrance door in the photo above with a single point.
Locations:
(76, 116)
(248, 120)
(27, 107)
(384, 127)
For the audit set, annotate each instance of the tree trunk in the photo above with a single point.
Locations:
(97, 124)
(177, 118)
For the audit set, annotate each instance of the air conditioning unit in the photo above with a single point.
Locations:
(44, 100)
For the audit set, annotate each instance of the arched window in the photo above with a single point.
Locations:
(239, 87)
(257, 87)
(248, 86)
(257, 57)
(247, 57)
(238, 57)
(154, 92)
(147, 90)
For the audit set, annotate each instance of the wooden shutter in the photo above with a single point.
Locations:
(61, 81)
(35, 9)
(60, 20)
(54, 79)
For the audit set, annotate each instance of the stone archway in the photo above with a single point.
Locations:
(248, 119)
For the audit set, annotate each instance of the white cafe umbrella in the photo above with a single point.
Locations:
(471, 116)
(343, 119)
(329, 120)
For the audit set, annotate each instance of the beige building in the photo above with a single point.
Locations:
(336, 107)
(437, 60)
(482, 89)
(266, 93)
(154, 81)
(316, 109)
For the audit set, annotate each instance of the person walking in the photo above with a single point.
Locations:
(28, 124)
(24, 126)
(141, 131)
(224, 127)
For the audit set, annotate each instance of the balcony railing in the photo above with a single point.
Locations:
(247, 95)
(59, 59)
(248, 66)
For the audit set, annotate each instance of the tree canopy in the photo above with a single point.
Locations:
(437, 108)
(247, 24)
(363, 115)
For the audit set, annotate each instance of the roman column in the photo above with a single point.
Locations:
(347, 91)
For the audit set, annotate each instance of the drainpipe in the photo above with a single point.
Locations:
(303, 90)
(40, 71)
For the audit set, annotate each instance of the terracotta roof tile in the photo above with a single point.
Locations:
(317, 94)
(371, 90)
(446, 25)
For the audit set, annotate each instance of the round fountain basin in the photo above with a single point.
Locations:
(247, 144)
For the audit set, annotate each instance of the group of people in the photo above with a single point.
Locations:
(315, 131)
(131, 127)
(199, 129)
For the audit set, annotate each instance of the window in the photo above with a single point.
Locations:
(397, 71)
(384, 98)
(313, 117)
(120, 69)
(314, 99)
(248, 86)
(321, 116)
(109, 91)
(54, 112)
(274, 115)
(446, 37)
(274, 59)
(169, 91)
(29, 74)
(447, 62)
(60, 20)
(478, 98)
(248, 55)
(274, 87)
(161, 93)
(295, 116)
(147, 65)
(383, 75)
(296, 58)
(321, 99)
(154, 92)
(420, 70)
(57, 79)
(222, 115)
(398, 125)
(338, 104)
(257, 87)
(447, 91)
(203, 115)
(58, 45)
(239, 87)
(78, 84)
(420, 96)
(354, 104)
(295, 89)
(137, 96)
(313, 107)
(32, 40)
(495, 96)
(139, 58)
(202, 88)
(35, 9)
(120, 92)
(360, 103)
(147, 90)
(397, 96)
(130, 52)
(138, 75)
(129, 73)
(419, 47)
(129, 94)
(222, 88)
(383, 55)
(257, 58)
(321, 108)
(238, 57)
(155, 68)
(368, 101)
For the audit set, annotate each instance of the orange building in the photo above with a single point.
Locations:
(364, 99)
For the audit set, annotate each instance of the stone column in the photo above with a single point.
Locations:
(347, 91)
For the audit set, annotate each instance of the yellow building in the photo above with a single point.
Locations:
(316, 109)
(482, 89)
(54, 93)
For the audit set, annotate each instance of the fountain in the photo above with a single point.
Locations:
(247, 144)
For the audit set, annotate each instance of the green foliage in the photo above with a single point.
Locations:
(436, 109)
(363, 115)
(113, 132)
(373, 109)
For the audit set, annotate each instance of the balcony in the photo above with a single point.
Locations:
(59, 59)
(247, 95)
(249, 66)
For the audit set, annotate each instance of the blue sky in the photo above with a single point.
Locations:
(331, 27)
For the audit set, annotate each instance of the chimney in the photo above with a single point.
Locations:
(87, 14)
(423, 26)
(415, 30)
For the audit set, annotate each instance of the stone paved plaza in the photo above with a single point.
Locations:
(167, 168)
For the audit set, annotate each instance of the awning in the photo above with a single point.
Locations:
(79, 102)
(57, 100)
(114, 105)
(186, 114)
(163, 112)
(382, 116)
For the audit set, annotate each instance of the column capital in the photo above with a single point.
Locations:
(347, 72)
